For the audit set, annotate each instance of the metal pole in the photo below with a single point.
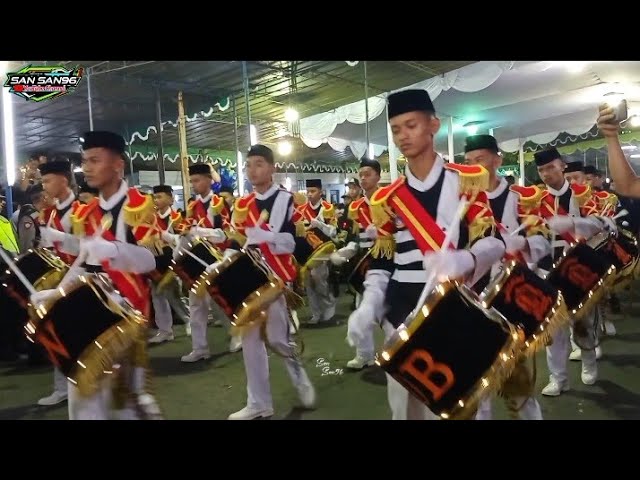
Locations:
(245, 83)
(160, 146)
(89, 100)
(184, 157)
(9, 202)
(366, 108)
(130, 155)
(521, 153)
(239, 165)
(452, 152)
(393, 151)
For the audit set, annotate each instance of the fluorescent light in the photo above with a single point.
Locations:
(635, 121)
(629, 147)
(253, 134)
(241, 174)
(576, 67)
(291, 115)
(472, 129)
(637, 155)
(287, 183)
(284, 148)
(371, 154)
(8, 133)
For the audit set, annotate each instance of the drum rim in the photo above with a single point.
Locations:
(595, 295)
(553, 321)
(327, 248)
(258, 300)
(497, 373)
(355, 269)
(92, 363)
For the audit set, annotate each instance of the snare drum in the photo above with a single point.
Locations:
(582, 276)
(43, 269)
(163, 274)
(190, 270)
(312, 249)
(453, 353)
(620, 251)
(528, 302)
(87, 330)
(243, 286)
(355, 281)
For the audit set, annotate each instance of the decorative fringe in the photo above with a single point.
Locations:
(552, 324)
(379, 215)
(294, 301)
(144, 213)
(597, 293)
(521, 382)
(384, 247)
(299, 199)
(480, 226)
(472, 184)
(301, 230)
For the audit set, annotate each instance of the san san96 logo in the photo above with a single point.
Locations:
(39, 83)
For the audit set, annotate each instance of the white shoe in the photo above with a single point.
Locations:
(554, 389)
(598, 353)
(307, 395)
(358, 363)
(53, 399)
(609, 328)
(250, 413)
(196, 355)
(161, 337)
(235, 344)
(589, 375)
(187, 329)
(575, 355)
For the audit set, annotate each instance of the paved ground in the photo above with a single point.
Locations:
(216, 388)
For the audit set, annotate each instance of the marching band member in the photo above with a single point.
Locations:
(561, 207)
(115, 253)
(506, 205)
(320, 214)
(169, 298)
(422, 203)
(276, 241)
(56, 178)
(360, 214)
(210, 214)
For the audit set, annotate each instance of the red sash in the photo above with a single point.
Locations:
(162, 222)
(282, 264)
(426, 232)
(130, 285)
(199, 213)
(309, 213)
(57, 223)
(548, 210)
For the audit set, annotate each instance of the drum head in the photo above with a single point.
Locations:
(453, 351)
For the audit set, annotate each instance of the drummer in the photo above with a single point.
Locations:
(561, 208)
(505, 204)
(209, 215)
(396, 278)
(56, 181)
(169, 298)
(320, 214)
(276, 241)
(360, 215)
(115, 253)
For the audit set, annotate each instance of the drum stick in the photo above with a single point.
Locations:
(428, 286)
(620, 214)
(25, 281)
(199, 260)
(50, 221)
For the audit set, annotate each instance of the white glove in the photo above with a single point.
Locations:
(214, 235)
(42, 296)
(587, 227)
(51, 235)
(514, 243)
(609, 223)
(337, 259)
(449, 264)
(328, 230)
(212, 267)
(170, 238)
(371, 232)
(257, 236)
(99, 250)
(625, 224)
(183, 244)
(315, 223)
(561, 224)
(349, 251)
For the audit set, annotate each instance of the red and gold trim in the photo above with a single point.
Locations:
(138, 208)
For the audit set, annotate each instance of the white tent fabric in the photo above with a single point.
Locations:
(318, 129)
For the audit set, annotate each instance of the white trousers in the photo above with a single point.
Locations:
(256, 362)
(162, 311)
(59, 381)
(322, 303)
(199, 313)
(558, 352)
(529, 408)
(365, 346)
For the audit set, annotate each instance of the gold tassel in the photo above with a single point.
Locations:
(479, 227)
(301, 230)
(145, 213)
(294, 301)
(379, 215)
(471, 184)
(384, 247)
(299, 198)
